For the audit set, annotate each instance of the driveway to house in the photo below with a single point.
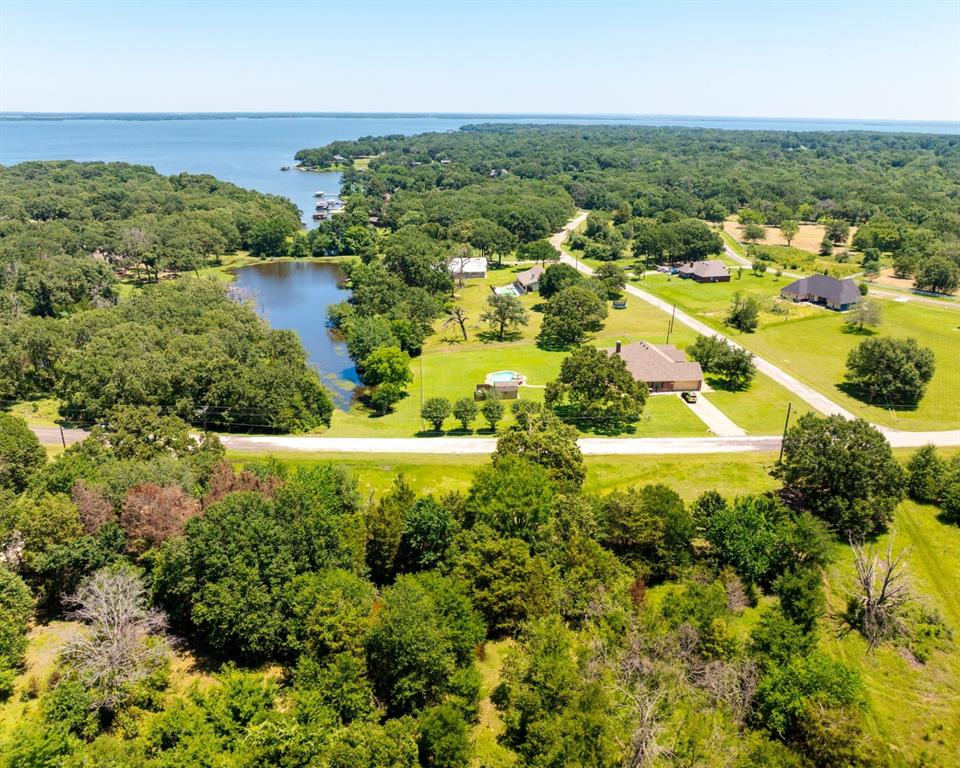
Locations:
(715, 419)
(808, 394)
(732, 442)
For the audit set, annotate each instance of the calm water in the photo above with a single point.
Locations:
(249, 150)
(295, 295)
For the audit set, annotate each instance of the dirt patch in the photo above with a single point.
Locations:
(886, 277)
(807, 239)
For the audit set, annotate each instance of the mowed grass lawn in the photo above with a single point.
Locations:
(688, 475)
(915, 707)
(451, 367)
(811, 343)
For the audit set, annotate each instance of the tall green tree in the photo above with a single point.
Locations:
(21, 454)
(890, 372)
(789, 229)
(842, 471)
(571, 315)
(744, 313)
(596, 388)
(504, 312)
(384, 524)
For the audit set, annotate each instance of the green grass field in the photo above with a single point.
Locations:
(915, 708)
(688, 475)
(451, 367)
(812, 344)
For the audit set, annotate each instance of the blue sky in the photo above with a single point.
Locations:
(888, 60)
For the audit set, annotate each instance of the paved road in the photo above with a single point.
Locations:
(465, 446)
(52, 435)
(818, 401)
(591, 446)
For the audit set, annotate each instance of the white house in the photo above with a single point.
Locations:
(461, 269)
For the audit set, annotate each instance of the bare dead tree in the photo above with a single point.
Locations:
(730, 683)
(643, 747)
(94, 507)
(880, 594)
(151, 514)
(123, 640)
(457, 317)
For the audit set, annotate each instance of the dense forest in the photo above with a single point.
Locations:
(339, 631)
(902, 190)
(69, 232)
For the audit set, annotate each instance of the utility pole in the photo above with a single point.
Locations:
(63, 439)
(786, 424)
(670, 324)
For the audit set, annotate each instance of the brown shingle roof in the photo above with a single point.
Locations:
(658, 362)
(709, 268)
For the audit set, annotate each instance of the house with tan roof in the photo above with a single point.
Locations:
(708, 271)
(662, 367)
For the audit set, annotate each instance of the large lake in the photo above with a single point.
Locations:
(295, 295)
(249, 150)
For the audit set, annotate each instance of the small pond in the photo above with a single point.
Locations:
(295, 295)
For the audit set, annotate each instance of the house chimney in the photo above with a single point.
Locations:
(618, 347)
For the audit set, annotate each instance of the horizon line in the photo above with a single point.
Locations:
(7, 113)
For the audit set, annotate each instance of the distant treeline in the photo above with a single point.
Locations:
(903, 190)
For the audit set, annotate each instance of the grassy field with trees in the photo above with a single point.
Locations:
(416, 611)
(797, 337)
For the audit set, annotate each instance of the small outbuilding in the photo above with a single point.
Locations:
(505, 390)
(709, 271)
(462, 269)
(662, 367)
(823, 289)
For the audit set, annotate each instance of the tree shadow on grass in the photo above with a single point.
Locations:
(550, 345)
(857, 393)
(854, 331)
(723, 385)
(569, 415)
(491, 337)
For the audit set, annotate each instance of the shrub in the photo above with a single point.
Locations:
(435, 410)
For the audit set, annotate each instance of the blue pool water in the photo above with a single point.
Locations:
(502, 376)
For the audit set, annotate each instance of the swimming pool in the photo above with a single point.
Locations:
(503, 376)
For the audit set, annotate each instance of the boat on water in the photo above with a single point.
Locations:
(319, 193)
(284, 167)
(320, 215)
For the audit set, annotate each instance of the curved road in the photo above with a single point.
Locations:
(593, 446)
